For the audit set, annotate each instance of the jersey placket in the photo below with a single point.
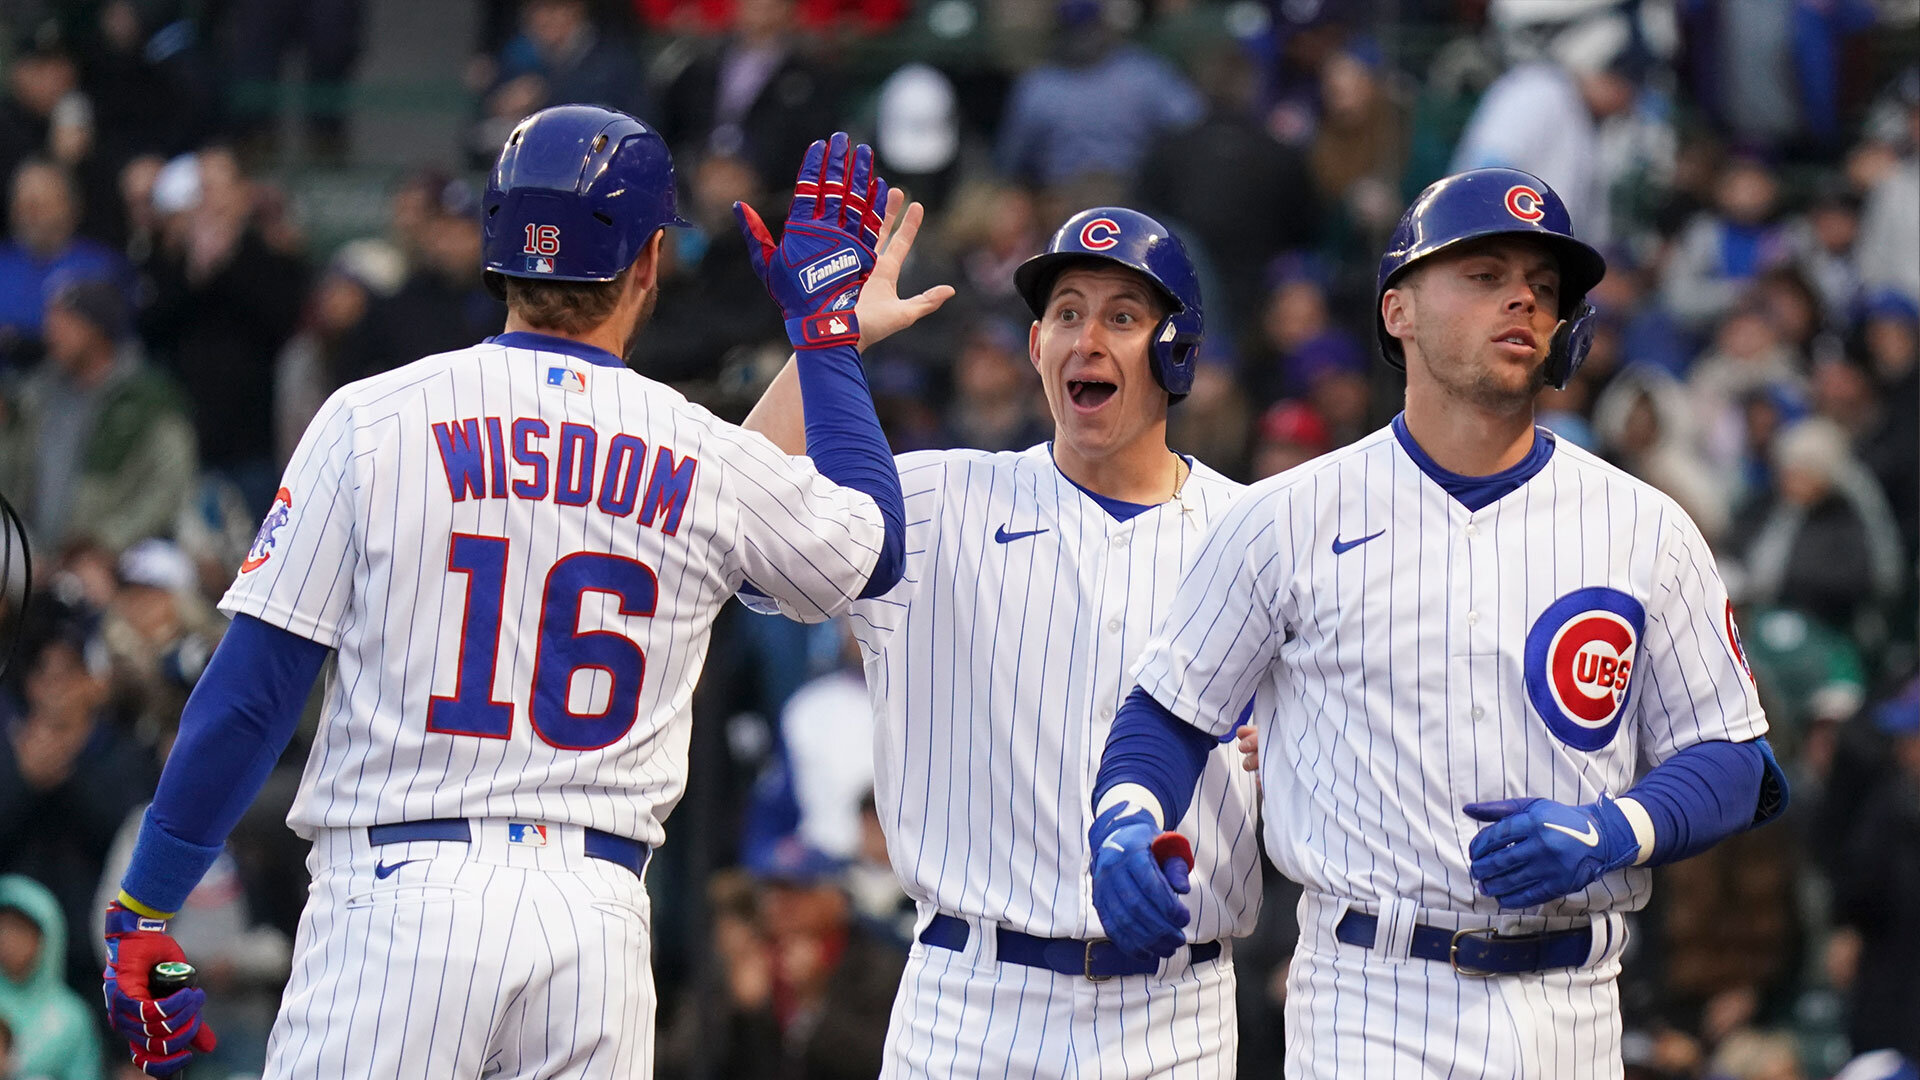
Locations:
(1105, 572)
(1473, 650)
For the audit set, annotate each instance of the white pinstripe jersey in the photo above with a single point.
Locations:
(519, 552)
(1556, 643)
(995, 668)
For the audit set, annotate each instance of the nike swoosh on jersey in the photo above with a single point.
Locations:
(1003, 536)
(383, 871)
(1341, 547)
(1591, 837)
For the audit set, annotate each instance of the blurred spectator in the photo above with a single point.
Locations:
(1215, 422)
(332, 339)
(991, 229)
(441, 306)
(150, 79)
(159, 634)
(688, 17)
(1823, 242)
(1544, 117)
(1289, 433)
(1747, 358)
(1297, 339)
(754, 96)
(713, 314)
(264, 33)
(1243, 194)
(226, 301)
(1877, 889)
(98, 443)
(43, 252)
(1811, 679)
(1890, 221)
(1823, 540)
(1096, 110)
(66, 768)
(54, 1025)
(1360, 145)
(560, 57)
(996, 400)
(825, 719)
(1722, 251)
(40, 75)
(1880, 1065)
(1769, 71)
(1645, 427)
(1890, 444)
(1755, 1055)
(917, 133)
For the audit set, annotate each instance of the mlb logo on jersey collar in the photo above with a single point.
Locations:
(526, 835)
(567, 378)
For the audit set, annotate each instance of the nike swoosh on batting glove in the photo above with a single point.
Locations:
(1133, 894)
(1536, 850)
(826, 249)
(162, 1036)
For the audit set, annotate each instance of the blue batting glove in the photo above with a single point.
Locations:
(1538, 850)
(826, 249)
(1133, 891)
(162, 1035)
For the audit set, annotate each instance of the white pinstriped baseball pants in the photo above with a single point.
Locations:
(483, 960)
(966, 1014)
(1354, 1012)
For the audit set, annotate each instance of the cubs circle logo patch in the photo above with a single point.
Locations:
(1099, 234)
(263, 541)
(1579, 664)
(1733, 642)
(1525, 203)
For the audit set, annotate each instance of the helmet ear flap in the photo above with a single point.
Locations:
(1173, 352)
(1568, 348)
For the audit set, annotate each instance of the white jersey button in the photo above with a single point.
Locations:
(1113, 625)
(1473, 618)
(1477, 712)
(1120, 541)
(1472, 530)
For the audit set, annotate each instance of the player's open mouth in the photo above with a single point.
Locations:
(1090, 394)
(1518, 342)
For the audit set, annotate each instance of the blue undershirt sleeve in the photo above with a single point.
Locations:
(1150, 746)
(240, 717)
(847, 446)
(1706, 793)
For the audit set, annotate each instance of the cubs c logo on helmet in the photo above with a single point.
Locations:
(263, 541)
(1579, 664)
(1524, 203)
(1733, 641)
(1099, 234)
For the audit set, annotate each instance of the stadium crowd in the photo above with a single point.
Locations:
(1751, 169)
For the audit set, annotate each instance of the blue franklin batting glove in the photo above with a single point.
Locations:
(1538, 850)
(826, 249)
(1133, 890)
(163, 1035)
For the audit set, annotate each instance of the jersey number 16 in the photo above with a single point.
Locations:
(563, 648)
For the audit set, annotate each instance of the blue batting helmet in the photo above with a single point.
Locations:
(1497, 202)
(1131, 239)
(576, 193)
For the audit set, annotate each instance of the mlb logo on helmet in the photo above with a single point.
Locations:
(1099, 234)
(1525, 203)
(526, 835)
(263, 541)
(1579, 664)
(538, 264)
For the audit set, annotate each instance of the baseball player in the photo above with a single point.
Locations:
(516, 551)
(1032, 580)
(1505, 676)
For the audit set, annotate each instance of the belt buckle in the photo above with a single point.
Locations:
(1453, 952)
(1086, 962)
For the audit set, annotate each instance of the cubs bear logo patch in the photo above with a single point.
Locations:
(1579, 664)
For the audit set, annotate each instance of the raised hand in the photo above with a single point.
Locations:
(881, 310)
(826, 250)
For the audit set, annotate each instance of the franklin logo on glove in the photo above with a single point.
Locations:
(832, 268)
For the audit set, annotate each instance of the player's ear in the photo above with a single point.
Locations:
(1033, 345)
(646, 266)
(1396, 312)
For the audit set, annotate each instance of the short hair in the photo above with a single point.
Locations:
(569, 307)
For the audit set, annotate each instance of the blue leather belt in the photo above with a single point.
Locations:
(1069, 956)
(1481, 950)
(618, 850)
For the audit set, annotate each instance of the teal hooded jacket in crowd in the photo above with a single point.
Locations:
(54, 1034)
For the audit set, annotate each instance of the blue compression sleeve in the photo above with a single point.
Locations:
(847, 446)
(1152, 747)
(1704, 794)
(240, 717)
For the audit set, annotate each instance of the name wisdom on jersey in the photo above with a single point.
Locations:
(576, 467)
